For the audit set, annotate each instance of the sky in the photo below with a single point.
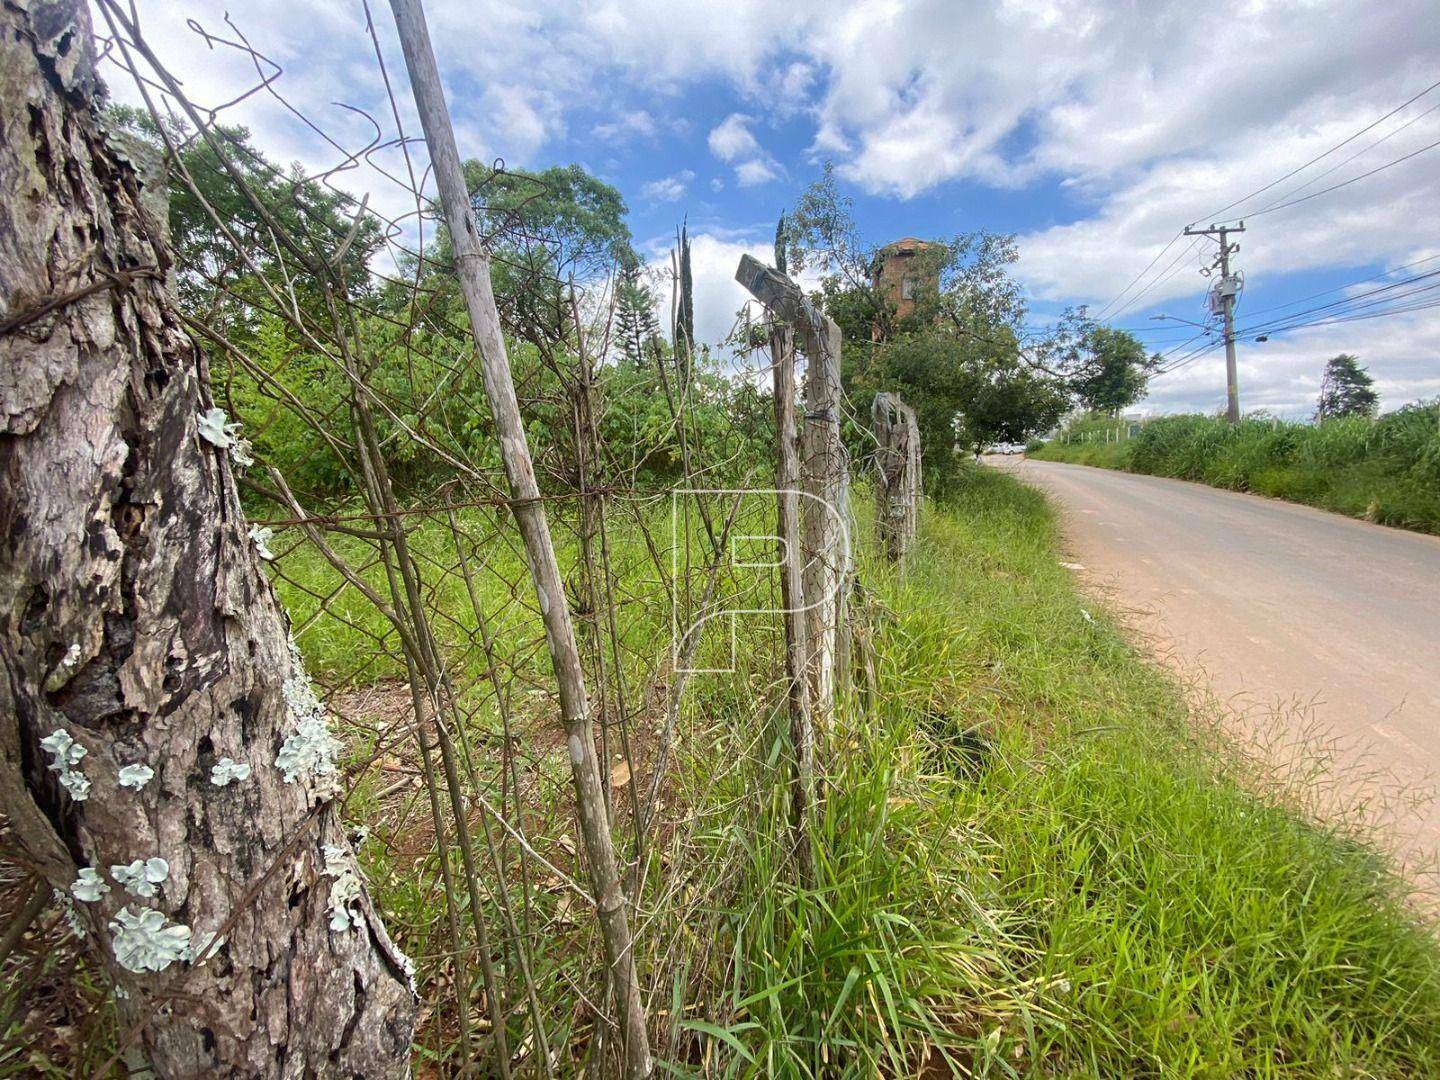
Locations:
(1094, 131)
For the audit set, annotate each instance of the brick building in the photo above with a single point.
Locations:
(897, 276)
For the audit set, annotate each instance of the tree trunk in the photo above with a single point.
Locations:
(135, 618)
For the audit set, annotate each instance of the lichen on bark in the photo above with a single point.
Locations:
(135, 615)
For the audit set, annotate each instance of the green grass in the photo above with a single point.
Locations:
(1111, 899)
(1385, 470)
(1030, 858)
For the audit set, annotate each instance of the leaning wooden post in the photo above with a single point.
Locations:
(824, 479)
(472, 268)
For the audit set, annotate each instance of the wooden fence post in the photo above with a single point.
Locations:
(472, 269)
(897, 474)
(825, 480)
(792, 588)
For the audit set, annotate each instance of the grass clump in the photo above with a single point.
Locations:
(1385, 470)
(1171, 921)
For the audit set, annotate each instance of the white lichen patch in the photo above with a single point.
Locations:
(65, 754)
(76, 783)
(240, 453)
(260, 537)
(345, 892)
(217, 429)
(225, 771)
(88, 885)
(310, 751)
(147, 941)
(71, 660)
(220, 431)
(67, 906)
(136, 776)
(203, 946)
(141, 878)
(64, 749)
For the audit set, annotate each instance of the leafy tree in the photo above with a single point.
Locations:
(1112, 371)
(214, 283)
(963, 282)
(966, 392)
(546, 230)
(1346, 389)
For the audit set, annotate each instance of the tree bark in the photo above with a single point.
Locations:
(135, 617)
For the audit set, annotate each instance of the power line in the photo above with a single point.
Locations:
(1160, 255)
(1319, 157)
(1358, 154)
(1347, 285)
(1169, 272)
(1351, 302)
(1346, 183)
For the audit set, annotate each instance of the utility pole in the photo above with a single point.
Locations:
(1228, 289)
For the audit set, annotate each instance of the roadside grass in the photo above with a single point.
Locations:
(1030, 857)
(1187, 919)
(1385, 470)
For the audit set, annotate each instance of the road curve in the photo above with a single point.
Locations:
(1277, 604)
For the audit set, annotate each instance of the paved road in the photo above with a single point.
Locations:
(1278, 605)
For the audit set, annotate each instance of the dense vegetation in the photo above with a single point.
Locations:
(1033, 859)
(1385, 470)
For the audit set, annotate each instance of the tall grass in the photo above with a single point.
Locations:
(1034, 861)
(1385, 470)
(1030, 858)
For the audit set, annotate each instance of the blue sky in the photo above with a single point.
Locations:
(1092, 130)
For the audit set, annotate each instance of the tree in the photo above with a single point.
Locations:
(636, 325)
(545, 229)
(963, 282)
(1346, 389)
(1111, 372)
(163, 760)
(965, 391)
(210, 278)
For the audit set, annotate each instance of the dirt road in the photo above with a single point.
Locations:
(1289, 612)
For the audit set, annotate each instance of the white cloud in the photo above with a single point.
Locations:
(755, 171)
(668, 188)
(732, 141)
(638, 123)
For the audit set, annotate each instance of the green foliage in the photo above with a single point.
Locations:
(1385, 470)
(636, 326)
(1108, 891)
(965, 391)
(1346, 389)
(1114, 372)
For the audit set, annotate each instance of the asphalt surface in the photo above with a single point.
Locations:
(1295, 618)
